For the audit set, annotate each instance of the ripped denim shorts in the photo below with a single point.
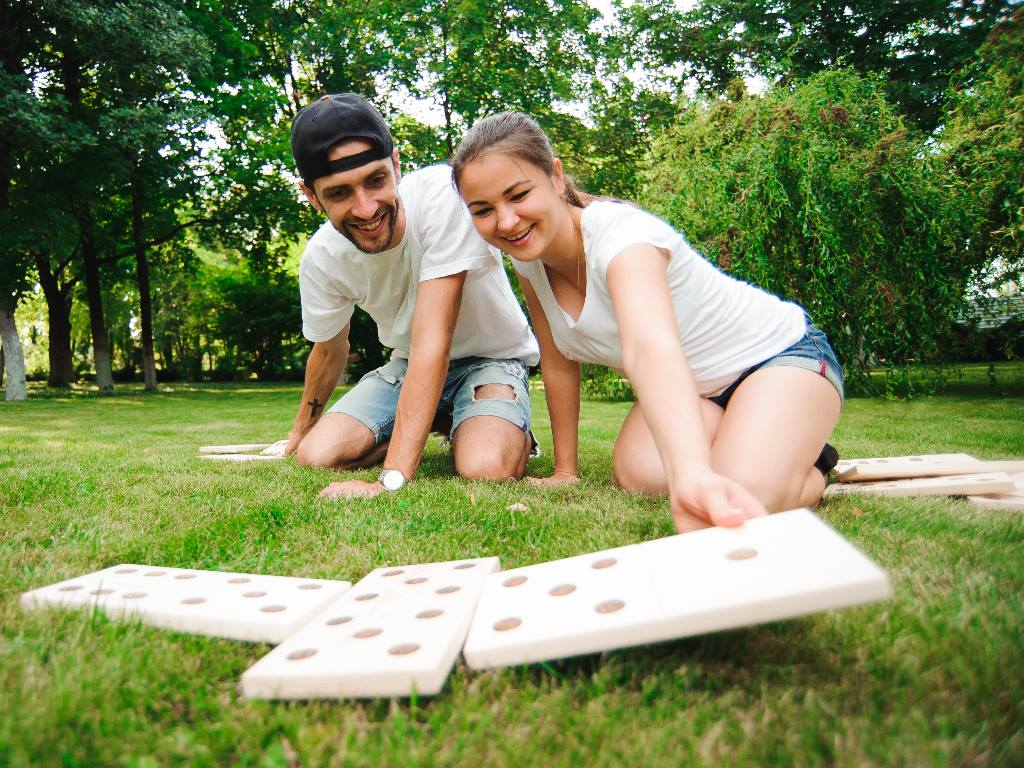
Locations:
(373, 401)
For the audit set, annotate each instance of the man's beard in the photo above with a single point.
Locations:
(379, 243)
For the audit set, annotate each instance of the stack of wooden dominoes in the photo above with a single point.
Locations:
(399, 630)
(991, 484)
(244, 452)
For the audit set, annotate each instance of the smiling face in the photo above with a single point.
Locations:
(361, 203)
(514, 204)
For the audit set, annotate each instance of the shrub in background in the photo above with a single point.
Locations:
(982, 143)
(819, 192)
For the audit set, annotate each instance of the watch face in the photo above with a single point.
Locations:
(392, 479)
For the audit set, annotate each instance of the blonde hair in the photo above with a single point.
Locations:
(519, 135)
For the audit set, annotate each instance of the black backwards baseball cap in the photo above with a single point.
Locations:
(330, 119)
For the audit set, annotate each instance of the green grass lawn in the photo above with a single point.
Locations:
(933, 677)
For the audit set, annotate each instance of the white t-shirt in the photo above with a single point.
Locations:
(439, 240)
(725, 325)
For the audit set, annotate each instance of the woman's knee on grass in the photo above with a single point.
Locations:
(635, 475)
(776, 492)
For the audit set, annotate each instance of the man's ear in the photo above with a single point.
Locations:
(310, 195)
(558, 176)
(397, 166)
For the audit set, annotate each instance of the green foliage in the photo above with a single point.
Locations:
(822, 194)
(916, 46)
(258, 319)
(601, 383)
(982, 142)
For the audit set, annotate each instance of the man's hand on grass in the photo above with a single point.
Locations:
(352, 489)
(560, 477)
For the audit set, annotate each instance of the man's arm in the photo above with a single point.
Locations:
(433, 323)
(323, 369)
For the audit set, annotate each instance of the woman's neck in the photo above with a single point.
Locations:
(565, 253)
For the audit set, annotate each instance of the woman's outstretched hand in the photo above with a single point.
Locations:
(558, 478)
(701, 497)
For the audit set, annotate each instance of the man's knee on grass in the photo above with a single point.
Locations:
(325, 450)
(489, 447)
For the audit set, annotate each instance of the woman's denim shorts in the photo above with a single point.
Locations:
(812, 352)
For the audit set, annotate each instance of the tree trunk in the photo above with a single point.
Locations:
(142, 276)
(100, 340)
(58, 310)
(14, 357)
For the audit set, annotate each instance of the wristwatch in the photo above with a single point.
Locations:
(392, 480)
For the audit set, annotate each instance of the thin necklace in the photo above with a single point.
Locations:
(579, 249)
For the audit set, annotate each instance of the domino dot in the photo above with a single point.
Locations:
(744, 553)
(70, 588)
(272, 608)
(126, 570)
(302, 653)
(432, 613)
(403, 649)
(309, 586)
(562, 589)
(254, 594)
(367, 596)
(447, 590)
(506, 624)
(183, 576)
(338, 620)
(609, 606)
(193, 600)
(515, 581)
(395, 572)
(362, 634)
(132, 595)
(156, 573)
(464, 566)
(101, 592)
(417, 580)
(239, 580)
(604, 562)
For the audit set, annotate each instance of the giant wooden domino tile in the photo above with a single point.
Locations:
(244, 452)
(985, 483)
(771, 568)
(1013, 500)
(237, 606)
(897, 467)
(396, 632)
(925, 465)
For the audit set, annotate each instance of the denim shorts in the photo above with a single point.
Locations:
(374, 400)
(812, 352)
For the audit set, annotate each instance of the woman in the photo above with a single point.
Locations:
(737, 392)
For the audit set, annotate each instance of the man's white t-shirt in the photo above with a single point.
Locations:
(725, 325)
(439, 240)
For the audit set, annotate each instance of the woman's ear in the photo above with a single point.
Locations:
(558, 176)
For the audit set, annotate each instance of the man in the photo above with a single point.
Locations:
(405, 251)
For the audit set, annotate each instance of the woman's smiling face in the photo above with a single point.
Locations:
(514, 204)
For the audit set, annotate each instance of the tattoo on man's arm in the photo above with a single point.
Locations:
(315, 406)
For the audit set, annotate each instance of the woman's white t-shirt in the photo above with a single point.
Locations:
(725, 325)
(439, 240)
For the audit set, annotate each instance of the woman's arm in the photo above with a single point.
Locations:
(561, 390)
(654, 362)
